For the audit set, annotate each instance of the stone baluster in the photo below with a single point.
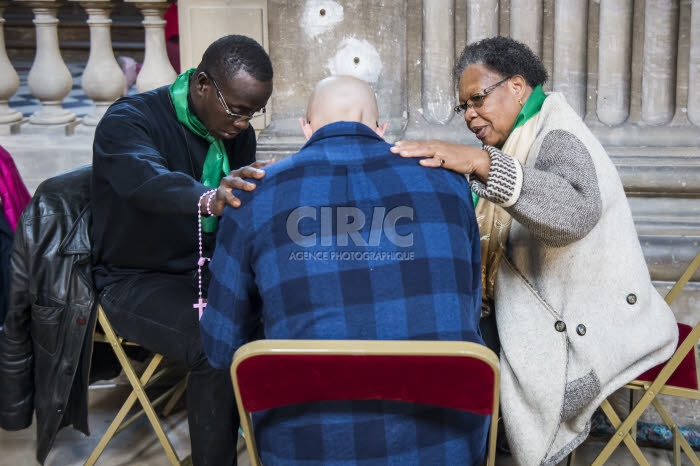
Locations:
(694, 74)
(156, 70)
(659, 64)
(526, 23)
(482, 19)
(103, 79)
(49, 79)
(614, 61)
(9, 80)
(569, 67)
(438, 61)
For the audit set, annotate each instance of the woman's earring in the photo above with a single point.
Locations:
(520, 101)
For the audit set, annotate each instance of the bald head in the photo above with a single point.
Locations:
(341, 98)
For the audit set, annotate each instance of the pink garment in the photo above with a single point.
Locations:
(13, 192)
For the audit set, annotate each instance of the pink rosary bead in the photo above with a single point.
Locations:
(201, 303)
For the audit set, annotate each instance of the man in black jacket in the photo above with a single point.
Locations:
(162, 164)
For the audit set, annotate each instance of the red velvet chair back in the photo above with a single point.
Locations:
(274, 373)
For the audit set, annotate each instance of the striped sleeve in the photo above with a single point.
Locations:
(504, 182)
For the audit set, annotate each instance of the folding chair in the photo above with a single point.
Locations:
(138, 384)
(676, 377)
(273, 373)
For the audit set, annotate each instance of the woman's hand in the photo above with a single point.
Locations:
(456, 157)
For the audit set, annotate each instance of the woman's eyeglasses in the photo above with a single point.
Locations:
(233, 116)
(477, 100)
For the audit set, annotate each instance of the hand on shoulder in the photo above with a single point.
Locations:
(442, 154)
(236, 179)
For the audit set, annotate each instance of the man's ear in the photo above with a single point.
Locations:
(201, 82)
(381, 129)
(306, 128)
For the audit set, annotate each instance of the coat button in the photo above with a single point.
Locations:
(559, 326)
(581, 329)
(80, 321)
(631, 298)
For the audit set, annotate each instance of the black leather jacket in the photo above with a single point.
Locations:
(46, 343)
(6, 235)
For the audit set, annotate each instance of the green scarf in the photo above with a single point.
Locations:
(216, 163)
(532, 106)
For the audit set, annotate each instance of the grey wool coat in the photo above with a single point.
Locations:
(577, 314)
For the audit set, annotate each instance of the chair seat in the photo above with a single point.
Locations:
(686, 374)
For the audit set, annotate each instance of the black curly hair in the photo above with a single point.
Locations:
(230, 54)
(505, 56)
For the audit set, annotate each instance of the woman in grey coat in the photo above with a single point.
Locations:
(562, 267)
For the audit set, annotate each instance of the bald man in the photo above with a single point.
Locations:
(341, 98)
(343, 240)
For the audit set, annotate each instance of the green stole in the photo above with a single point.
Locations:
(494, 222)
(530, 109)
(532, 106)
(216, 164)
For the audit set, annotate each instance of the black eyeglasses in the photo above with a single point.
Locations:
(477, 100)
(233, 116)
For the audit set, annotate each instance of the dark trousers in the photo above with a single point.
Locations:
(489, 332)
(155, 311)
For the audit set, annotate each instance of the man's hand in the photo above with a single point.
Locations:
(236, 179)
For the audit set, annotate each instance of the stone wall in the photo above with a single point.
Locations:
(628, 67)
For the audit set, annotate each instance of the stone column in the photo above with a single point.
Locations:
(526, 23)
(659, 64)
(9, 81)
(569, 66)
(614, 61)
(482, 19)
(438, 61)
(49, 79)
(103, 79)
(694, 74)
(156, 70)
(310, 40)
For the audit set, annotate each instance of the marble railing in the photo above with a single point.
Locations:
(50, 81)
(631, 69)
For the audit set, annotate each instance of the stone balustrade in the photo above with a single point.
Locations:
(9, 80)
(630, 69)
(50, 81)
(102, 80)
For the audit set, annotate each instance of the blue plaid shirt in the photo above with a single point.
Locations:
(345, 240)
